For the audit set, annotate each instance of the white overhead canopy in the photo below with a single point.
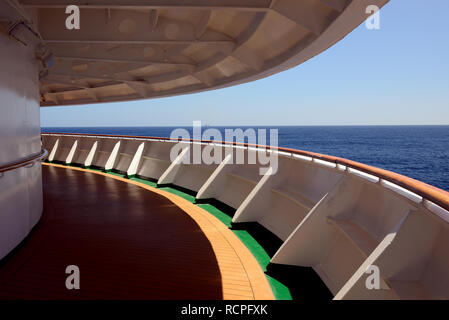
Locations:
(136, 49)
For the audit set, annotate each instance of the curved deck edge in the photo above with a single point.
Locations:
(209, 225)
(427, 192)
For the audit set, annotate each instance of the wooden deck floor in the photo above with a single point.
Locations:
(129, 242)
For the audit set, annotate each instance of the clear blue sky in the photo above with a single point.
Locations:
(396, 75)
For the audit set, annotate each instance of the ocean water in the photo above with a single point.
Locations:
(420, 152)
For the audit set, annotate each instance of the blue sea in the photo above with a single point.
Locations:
(420, 152)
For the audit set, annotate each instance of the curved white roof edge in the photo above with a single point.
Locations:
(142, 49)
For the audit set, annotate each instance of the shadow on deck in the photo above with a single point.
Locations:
(128, 243)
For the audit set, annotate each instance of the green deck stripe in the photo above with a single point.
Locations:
(147, 182)
(256, 249)
(116, 174)
(280, 291)
(179, 193)
(220, 215)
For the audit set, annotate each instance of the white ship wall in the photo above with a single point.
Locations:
(21, 188)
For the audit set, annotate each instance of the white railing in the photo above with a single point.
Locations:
(334, 215)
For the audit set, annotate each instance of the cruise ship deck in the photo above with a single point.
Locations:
(130, 241)
(142, 217)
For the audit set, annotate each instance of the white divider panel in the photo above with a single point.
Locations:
(305, 246)
(69, 158)
(304, 181)
(51, 157)
(415, 264)
(103, 151)
(83, 149)
(259, 197)
(48, 142)
(65, 145)
(212, 187)
(155, 159)
(169, 175)
(62, 150)
(128, 149)
(343, 230)
(236, 183)
(91, 154)
(136, 160)
(193, 175)
(113, 156)
(357, 284)
(231, 182)
(288, 196)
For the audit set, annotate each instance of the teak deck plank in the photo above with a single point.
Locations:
(130, 241)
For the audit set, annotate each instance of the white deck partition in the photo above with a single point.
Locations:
(340, 221)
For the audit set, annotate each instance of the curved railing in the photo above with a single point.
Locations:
(426, 191)
(24, 162)
(321, 207)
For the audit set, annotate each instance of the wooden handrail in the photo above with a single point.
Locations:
(24, 162)
(426, 191)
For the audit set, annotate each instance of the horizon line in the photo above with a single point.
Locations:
(259, 125)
